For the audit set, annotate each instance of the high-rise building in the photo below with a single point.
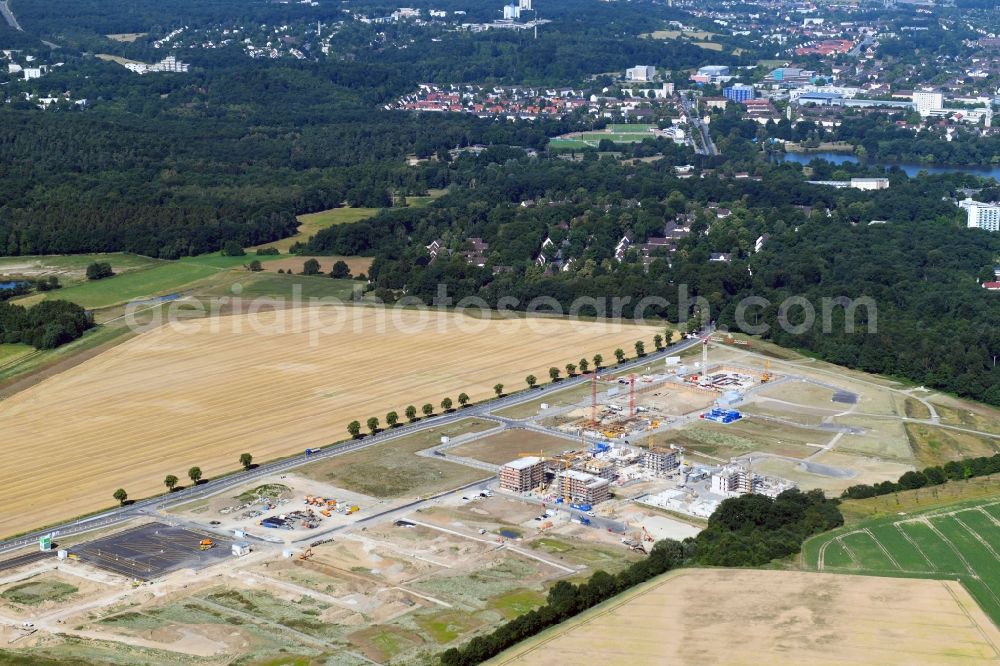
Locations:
(739, 92)
(981, 215)
(927, 101)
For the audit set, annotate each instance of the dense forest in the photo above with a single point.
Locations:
(744, 531)
(932, 323)
(46, 325)
(174, 165)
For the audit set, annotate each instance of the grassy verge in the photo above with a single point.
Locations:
(922, 499)
(936, 446)
(392, 470)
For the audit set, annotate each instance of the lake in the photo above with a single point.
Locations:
(910, 169)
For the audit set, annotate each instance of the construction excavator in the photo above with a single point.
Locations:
(307, 554)
(205, 544)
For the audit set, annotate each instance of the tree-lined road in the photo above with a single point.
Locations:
(221, 484)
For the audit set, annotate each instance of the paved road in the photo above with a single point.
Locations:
(215, 486)
(708, 146)
(9, 16)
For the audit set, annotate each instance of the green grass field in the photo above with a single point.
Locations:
(310, 223)
(958, 541)
(11, 353)
(619, 133)
(272, 285)
(142, 279)
(163, 279)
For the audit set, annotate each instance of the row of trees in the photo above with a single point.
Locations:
(392, 418)
(936, 475)
(744, 531)
(194, 473)
(584, 365)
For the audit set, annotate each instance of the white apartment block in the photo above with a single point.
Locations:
(640, 73)
(732, 481)
(925, 101)
(981, 215)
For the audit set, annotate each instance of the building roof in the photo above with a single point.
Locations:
(589, 479)
(523, 463)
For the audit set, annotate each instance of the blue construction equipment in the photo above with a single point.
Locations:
(722, 415)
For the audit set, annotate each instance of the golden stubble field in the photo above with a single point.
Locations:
(173, 398)
(719, 616)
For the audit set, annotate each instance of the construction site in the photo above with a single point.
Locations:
(394, 552)
(621, 439)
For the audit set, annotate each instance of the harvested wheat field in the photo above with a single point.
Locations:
(205, 391)
(719, 616)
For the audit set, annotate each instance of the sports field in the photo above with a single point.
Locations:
(617, 133)
(272, 386)
(722, 616)
(959, 541)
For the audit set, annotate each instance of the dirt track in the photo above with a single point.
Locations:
(169, 399)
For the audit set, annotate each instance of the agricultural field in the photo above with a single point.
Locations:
(201, 392)
(71, 268)
(311, 223)
(617, 133)
(956, 541)
(38, 363)
(126, 37)
(282, 289)
(677, 34)
(357, 265)
(124, 287)
(136, 278)
(13, 352)
(743, 617)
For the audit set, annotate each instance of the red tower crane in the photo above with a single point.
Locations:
(631, 395)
